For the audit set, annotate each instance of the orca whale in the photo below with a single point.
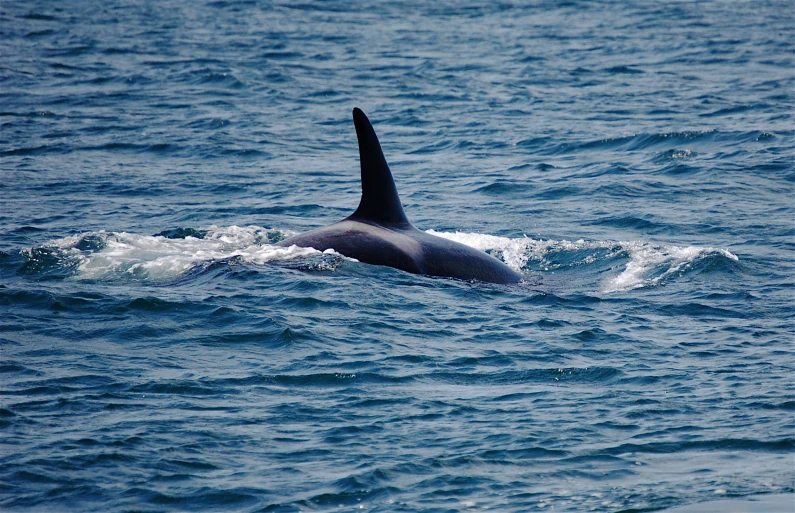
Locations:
(379, 233)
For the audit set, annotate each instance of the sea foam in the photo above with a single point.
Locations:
(647, 263)
(108, 255)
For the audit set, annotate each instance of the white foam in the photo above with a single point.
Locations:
(151, 257)
(157, 257)
(647, 263)
(645, 258)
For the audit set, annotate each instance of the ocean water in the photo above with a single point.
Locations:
(634, 160)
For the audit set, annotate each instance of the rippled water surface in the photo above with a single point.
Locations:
(634, 160)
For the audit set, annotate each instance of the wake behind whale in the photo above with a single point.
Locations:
(379, 233)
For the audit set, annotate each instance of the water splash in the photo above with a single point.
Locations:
(120, 255)
(647, 264)
(102, 255)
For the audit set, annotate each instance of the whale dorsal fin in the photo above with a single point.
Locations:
(380, 202)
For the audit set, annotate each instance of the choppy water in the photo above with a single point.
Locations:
(633, 159)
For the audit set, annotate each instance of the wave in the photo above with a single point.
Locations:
(186, 252)
(676, 145)
(162, 257)
(646, 263)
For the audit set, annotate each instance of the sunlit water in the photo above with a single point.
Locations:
(633, 160)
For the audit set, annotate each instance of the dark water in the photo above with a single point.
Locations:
(633, 159)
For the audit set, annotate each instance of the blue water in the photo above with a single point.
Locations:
(634, 160)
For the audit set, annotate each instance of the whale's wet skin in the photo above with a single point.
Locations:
(165, 346)
(379, 233)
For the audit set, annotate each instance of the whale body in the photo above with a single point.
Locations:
(379, 233)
